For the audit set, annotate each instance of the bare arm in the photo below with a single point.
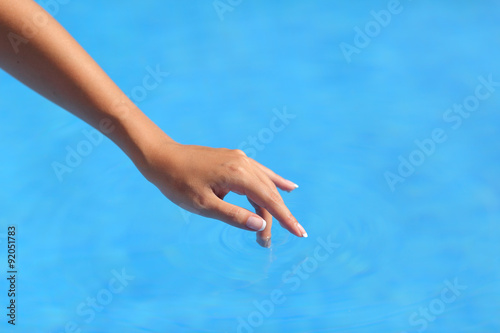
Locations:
(39, 52)
(197, 178)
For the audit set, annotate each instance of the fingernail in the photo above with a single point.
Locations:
(256, 223)
(295, 186)
(264, 242)
(302, 230)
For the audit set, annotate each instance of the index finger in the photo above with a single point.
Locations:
(267, 197)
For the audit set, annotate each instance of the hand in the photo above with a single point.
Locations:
(198, 178)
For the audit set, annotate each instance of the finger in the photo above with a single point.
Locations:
(265, 195)
(264, 236)
(280, 182)
(234, 215)
(268, 198)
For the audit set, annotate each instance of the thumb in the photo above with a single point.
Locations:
(236, 216)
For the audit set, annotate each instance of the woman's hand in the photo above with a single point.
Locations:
(198, 178)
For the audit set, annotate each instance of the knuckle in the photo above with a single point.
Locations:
(239, 152)
(239, 157)
(236, 168)
(237, 162)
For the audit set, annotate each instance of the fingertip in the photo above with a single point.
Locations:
(293, 187)
(264, 241)
(302, 230)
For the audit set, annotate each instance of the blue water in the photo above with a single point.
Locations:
(422, 255)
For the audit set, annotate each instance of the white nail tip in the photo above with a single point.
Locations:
(264, 223)
(256, 223)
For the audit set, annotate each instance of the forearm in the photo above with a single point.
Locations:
(197, 178)
(53, 64)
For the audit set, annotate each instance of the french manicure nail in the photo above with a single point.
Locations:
(302, 230)
(256, 223)
(295, 186)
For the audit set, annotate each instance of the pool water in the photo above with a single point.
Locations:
(384, 112)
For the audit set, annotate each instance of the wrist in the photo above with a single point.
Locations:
(137, 135)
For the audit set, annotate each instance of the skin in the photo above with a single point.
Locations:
(38, 51)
